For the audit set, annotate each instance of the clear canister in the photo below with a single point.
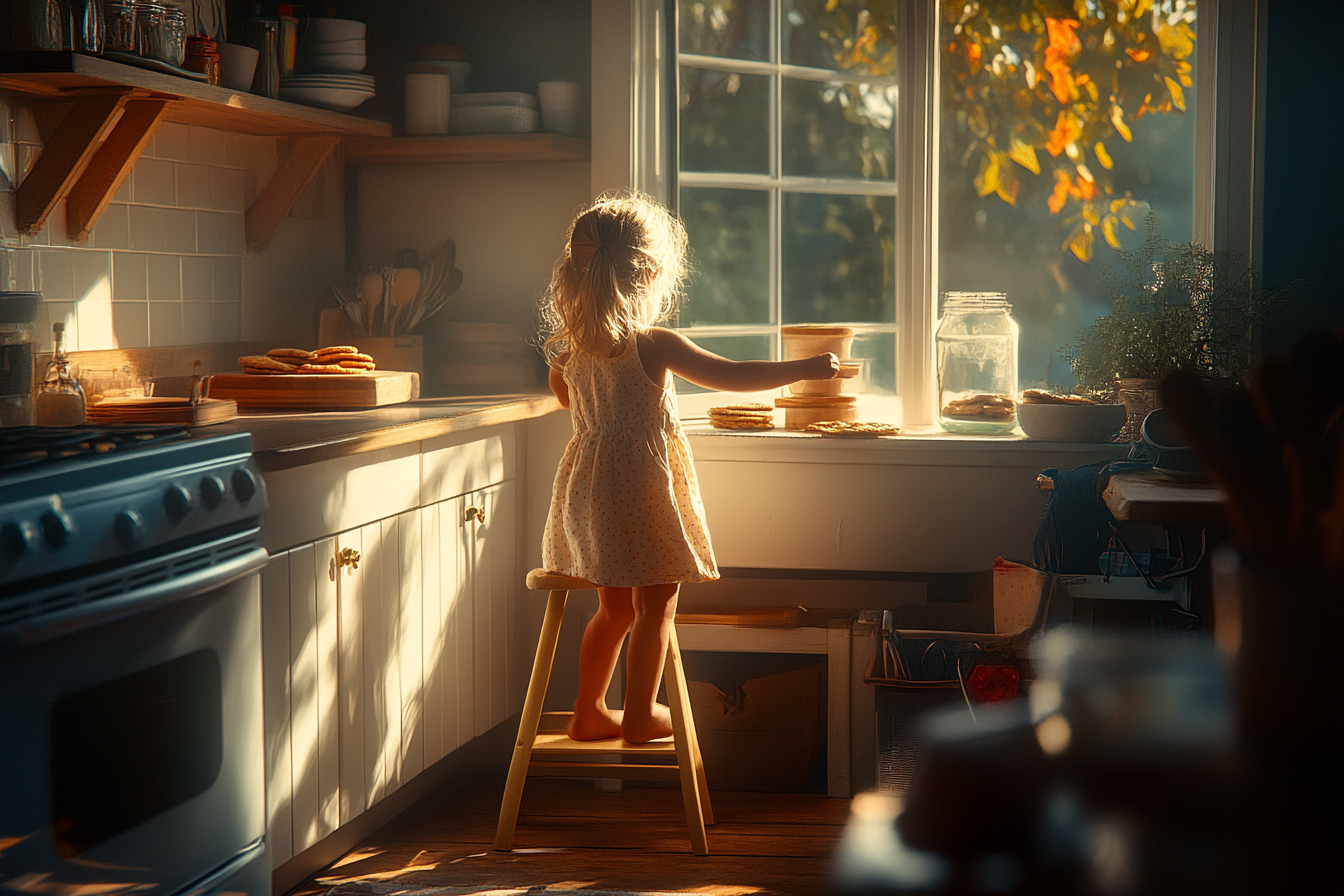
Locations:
(976, 345)
(119, 26)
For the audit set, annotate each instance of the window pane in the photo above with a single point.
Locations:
(739, 29)
(839, 130)
(729, 233)
(724, 122)
(1059, 134)
(879, 350)
(758, 347)
(838, 258)
(856, 36)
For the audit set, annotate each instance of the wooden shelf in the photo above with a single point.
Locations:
(475, 148)
(59, 75)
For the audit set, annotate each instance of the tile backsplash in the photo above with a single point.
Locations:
(167, 261)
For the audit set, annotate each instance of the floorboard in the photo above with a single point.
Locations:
(572, 836)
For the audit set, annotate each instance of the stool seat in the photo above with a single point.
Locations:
(552, 753)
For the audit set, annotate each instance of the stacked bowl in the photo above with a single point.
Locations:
(328, 67)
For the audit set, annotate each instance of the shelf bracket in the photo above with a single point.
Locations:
(65, 157)
(110, 164)
(268, 212)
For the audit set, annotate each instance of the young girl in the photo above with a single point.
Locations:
(625, 511)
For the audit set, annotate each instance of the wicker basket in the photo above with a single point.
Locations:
(1140, 397)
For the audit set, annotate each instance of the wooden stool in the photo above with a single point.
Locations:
(559, 752)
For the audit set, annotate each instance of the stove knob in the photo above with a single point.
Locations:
(177, 501)
(244, 484)
(56, 527)
(212, 490)
(17, 538)
(130, 529)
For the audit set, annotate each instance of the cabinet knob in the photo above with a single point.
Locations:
(348, 557)
(475, 513)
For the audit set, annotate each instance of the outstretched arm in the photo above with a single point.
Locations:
(557, 381)
(669, 350)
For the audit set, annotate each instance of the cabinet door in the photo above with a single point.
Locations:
(275, 707)
(447, 630)
(489, 533)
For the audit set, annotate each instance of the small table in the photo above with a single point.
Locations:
(1152, 497)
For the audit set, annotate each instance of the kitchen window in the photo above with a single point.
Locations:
(848, 161)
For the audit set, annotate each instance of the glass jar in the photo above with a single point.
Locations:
(60, 398)
(174, 43)
(202, 56)
(119, 26)
(149, 29)
(976, 344)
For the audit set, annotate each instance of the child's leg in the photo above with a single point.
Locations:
(655, 610)
(598, 653)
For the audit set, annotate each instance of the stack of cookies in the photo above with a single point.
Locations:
(742, 416)
(996, 408)
(334, 359)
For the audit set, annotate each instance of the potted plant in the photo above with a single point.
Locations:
(1174, 306)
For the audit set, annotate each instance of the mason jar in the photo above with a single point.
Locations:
(976, 345)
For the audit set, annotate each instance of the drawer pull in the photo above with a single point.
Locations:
(348, 557)
(475, 513)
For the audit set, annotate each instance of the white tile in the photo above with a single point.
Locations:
(193, 186)
(228, 279)
(164, 277)
(220, 233)
(198, 323)
(226, 189)
(179, 230)
(152, 183)
(112, 230)
(208, 146)
(147, 226)
(123, 193)
(228, 321)
(165, 323)
(49, 313)
(92, 273)
(172, 141)
(198, 275)
(128, 277)
(130, 324)
(56, 270)
(54, 228)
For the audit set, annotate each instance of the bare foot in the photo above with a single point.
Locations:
(641, 728)
(595, 723)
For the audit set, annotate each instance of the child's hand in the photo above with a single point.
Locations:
(822, 367)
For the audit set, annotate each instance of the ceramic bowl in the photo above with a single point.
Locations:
(311, 47)
(333, 62)
(321, 30)
(1071, 422)
(338, 99)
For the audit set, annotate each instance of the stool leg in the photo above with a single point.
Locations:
(693, 740)
(527, 727)
(683, 734)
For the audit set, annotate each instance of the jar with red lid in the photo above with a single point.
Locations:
(202, 55)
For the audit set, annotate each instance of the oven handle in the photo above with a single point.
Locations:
(78, 618)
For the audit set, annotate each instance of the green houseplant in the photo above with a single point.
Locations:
(1174, 306)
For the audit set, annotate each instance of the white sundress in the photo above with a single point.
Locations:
(625, 509)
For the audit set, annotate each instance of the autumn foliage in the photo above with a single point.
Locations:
(1039, 88)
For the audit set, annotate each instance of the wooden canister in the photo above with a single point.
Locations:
(800, 410)
(809, 340)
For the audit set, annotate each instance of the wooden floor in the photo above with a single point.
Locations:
(571, 836)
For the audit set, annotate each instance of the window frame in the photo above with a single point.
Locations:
(635, 102)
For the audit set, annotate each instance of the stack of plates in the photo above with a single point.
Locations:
(338, 92)
(493, 113)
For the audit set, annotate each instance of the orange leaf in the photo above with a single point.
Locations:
(1138, 55)
(1103, 156)
(1067, 129)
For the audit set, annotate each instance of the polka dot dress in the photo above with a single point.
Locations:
(626, 507)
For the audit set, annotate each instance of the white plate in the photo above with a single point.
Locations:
(336, 62)
(310, 46)
(328, 80)
(335, 98)
(491, 120)
(500, 98)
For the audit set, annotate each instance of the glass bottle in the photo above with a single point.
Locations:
(60, 398)
(976, 344)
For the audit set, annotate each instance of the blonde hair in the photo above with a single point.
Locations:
(620, 273)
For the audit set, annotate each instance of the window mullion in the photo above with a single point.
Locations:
(776, 170)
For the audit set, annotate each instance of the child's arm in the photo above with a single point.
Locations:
(669, 350)
(557, 381)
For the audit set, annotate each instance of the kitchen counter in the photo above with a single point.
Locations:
(282, 440)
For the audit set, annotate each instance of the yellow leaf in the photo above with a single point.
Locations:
(1177, 95)
(1127, 222)
(1117, 204)
(1090, 214)
(987, 181)
(1025, 155)
(1091, 87)
(1177, 40)
(1118, 121)
(1102, 156)
(1108, 228)
(1080, 243)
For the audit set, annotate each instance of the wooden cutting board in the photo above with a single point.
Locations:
(318, 392)
(161, 410)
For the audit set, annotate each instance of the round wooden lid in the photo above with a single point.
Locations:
(816, 401)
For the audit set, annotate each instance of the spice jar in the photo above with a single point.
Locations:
(976, 344)
(202, 56)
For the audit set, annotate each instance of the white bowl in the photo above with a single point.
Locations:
(1071, 422)
(332, 62)
(237, 65)
(310, 46)
(320, 29)
(338, 99)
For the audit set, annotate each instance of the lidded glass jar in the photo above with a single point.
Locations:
(976, 345)
(60, 398)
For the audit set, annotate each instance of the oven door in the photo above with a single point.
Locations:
(131, 756)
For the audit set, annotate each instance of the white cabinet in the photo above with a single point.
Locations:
(385, 647)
